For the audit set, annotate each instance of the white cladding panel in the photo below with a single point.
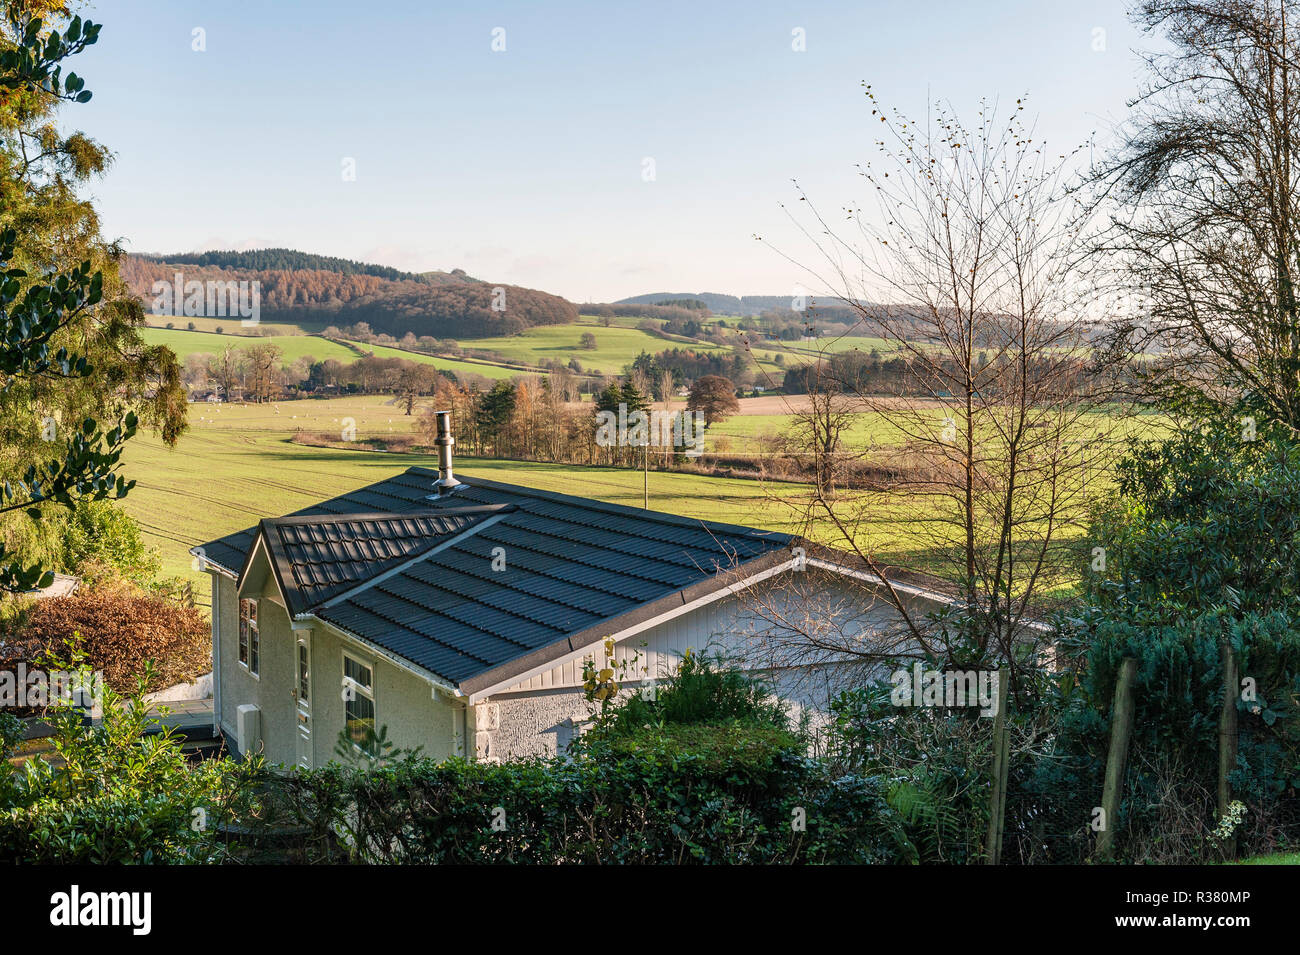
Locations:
(738, 626)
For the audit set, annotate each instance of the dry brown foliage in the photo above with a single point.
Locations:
(120, 627)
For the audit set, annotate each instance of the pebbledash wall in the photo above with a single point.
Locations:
(536, 716)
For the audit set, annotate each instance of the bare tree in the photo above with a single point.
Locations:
(226, 369)
(820, 428)
(969, 243)
(665, 385)
(1204, 206)
(196, 372)
(264, 369)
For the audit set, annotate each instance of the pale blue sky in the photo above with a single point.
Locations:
(525, 166)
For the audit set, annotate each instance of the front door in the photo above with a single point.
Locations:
(302, 693)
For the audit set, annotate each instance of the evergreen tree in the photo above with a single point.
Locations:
(70, 349)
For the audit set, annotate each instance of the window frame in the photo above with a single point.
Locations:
(359, 689)
(249, 647)
(303, 666)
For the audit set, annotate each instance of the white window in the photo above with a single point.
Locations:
(250, 645)
(358, 699)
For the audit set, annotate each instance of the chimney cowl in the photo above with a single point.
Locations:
(445, 442)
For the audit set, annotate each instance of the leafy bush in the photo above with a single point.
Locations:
(1169, 806)
(100, 535)
(934, 765)
(120, 627)
(1201, 545)
(685, 794)
(98, 541)
(703, 690)
(117, 792)
(705, 772)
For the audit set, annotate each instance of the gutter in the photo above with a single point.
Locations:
(209, 565)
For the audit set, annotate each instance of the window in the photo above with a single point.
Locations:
(304, 674)
(358, 699)
(250, 645)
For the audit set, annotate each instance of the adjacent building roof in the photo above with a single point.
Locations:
(63, 585)
(493, 579)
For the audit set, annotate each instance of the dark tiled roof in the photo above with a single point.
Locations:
(575, 569)
(318, 558)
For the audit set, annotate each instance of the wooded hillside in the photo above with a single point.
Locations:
(298, 287)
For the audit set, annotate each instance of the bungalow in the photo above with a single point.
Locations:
(457, 613)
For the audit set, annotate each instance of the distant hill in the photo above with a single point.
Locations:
(291, 260)
(718, 303)
(303, 287)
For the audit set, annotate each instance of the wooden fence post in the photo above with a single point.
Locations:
(1228, 736)
(1121, 728)
(1001, 766)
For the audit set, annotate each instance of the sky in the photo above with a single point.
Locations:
(610, 149)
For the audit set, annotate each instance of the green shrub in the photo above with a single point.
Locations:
(100, 536)
(1202, 546)
(703, 690)
(706, 771)
(108, 829)
(934, 765)
(686, 794)
(119, 791)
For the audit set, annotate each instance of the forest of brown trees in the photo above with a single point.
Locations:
(456, 306)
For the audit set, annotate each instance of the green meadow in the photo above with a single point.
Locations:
(615, 346)
(453, 365)
(233, 326)
(184, 342)
(294, 346)
(238, 463)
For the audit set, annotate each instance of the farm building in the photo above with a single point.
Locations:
(457, 614)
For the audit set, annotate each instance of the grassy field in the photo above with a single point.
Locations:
(754, 433)
(615, 346)
(232, 326)
(184, 343)
(830, 346)
(457, 367)
(237, 464)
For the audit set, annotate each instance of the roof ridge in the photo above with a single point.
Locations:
(622, 509)
(295, 518)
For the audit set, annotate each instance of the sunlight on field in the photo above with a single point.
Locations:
(232, 326)
(615, 346)
(238, 464)
(184, 343)
(456, 367)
